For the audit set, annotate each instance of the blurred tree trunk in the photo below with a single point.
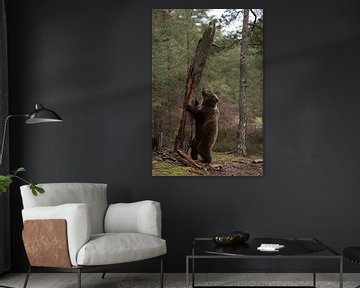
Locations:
(241, 143)
(169, 95)
(183, 137)
(154, 112)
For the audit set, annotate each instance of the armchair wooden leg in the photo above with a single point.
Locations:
(79, 277)
(27, 277)
(161, 273)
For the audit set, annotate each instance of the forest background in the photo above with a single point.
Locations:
(175, 36)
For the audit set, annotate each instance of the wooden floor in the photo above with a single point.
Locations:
(114, 280)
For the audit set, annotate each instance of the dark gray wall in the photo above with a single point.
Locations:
(90, 61)
(4, 165)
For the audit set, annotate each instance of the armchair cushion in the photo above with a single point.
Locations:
(138, 217)
(78, 221)
(113, 248)
(93, 194)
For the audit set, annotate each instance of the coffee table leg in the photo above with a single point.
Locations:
(314, 271)
(187, 272)
(188, 259)
(341, 273)
(193, 272)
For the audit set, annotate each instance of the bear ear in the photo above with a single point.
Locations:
(203, 92)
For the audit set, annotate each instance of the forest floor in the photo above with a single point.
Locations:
(167, 162)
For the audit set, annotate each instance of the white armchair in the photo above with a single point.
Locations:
(72, 228)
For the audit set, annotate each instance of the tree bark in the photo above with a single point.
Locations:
(242, 129)
(183, 137)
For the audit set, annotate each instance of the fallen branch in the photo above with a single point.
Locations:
(230, 152)
(189, 161)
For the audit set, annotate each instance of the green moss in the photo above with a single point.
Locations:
(221, 158)
(162, 168)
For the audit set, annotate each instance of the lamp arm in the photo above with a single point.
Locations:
(4, 134)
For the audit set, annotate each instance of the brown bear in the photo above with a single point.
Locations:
(206, 125)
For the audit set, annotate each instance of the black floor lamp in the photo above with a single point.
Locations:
(39, 115)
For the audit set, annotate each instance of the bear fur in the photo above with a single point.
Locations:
(206, 125)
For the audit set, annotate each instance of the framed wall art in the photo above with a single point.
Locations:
(207, 92)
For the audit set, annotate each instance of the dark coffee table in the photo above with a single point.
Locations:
(294, 248)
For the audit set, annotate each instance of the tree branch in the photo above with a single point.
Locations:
(253, 13)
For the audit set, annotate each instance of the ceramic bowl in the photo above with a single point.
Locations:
(225, 239)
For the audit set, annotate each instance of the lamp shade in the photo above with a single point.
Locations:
(42, 115)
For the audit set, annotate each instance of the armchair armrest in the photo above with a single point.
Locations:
(78, 223)
(138, 217)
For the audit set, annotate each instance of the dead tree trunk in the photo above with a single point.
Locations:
(183, 138)
(242, 129)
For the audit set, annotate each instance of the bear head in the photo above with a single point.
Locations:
(210, 99)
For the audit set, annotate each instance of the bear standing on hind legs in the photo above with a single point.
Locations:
(206, 125)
